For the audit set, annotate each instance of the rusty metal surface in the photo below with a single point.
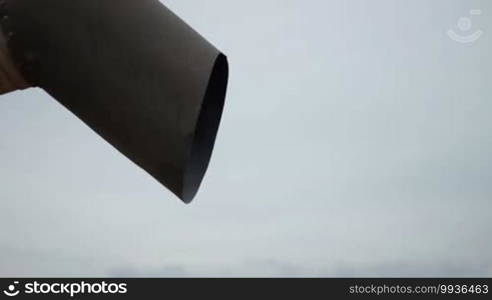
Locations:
(134, 72)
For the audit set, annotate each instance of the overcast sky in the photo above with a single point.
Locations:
(356, 141)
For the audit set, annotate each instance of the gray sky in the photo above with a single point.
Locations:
(356, 141)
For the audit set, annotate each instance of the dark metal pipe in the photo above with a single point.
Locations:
(131, 70)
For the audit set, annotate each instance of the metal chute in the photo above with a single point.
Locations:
(131, 70)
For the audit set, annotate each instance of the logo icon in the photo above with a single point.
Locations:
(11, 291)
(465, 24)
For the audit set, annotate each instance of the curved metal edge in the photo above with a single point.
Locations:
(206, 129)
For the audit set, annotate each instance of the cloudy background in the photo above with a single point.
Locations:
(356, 141)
